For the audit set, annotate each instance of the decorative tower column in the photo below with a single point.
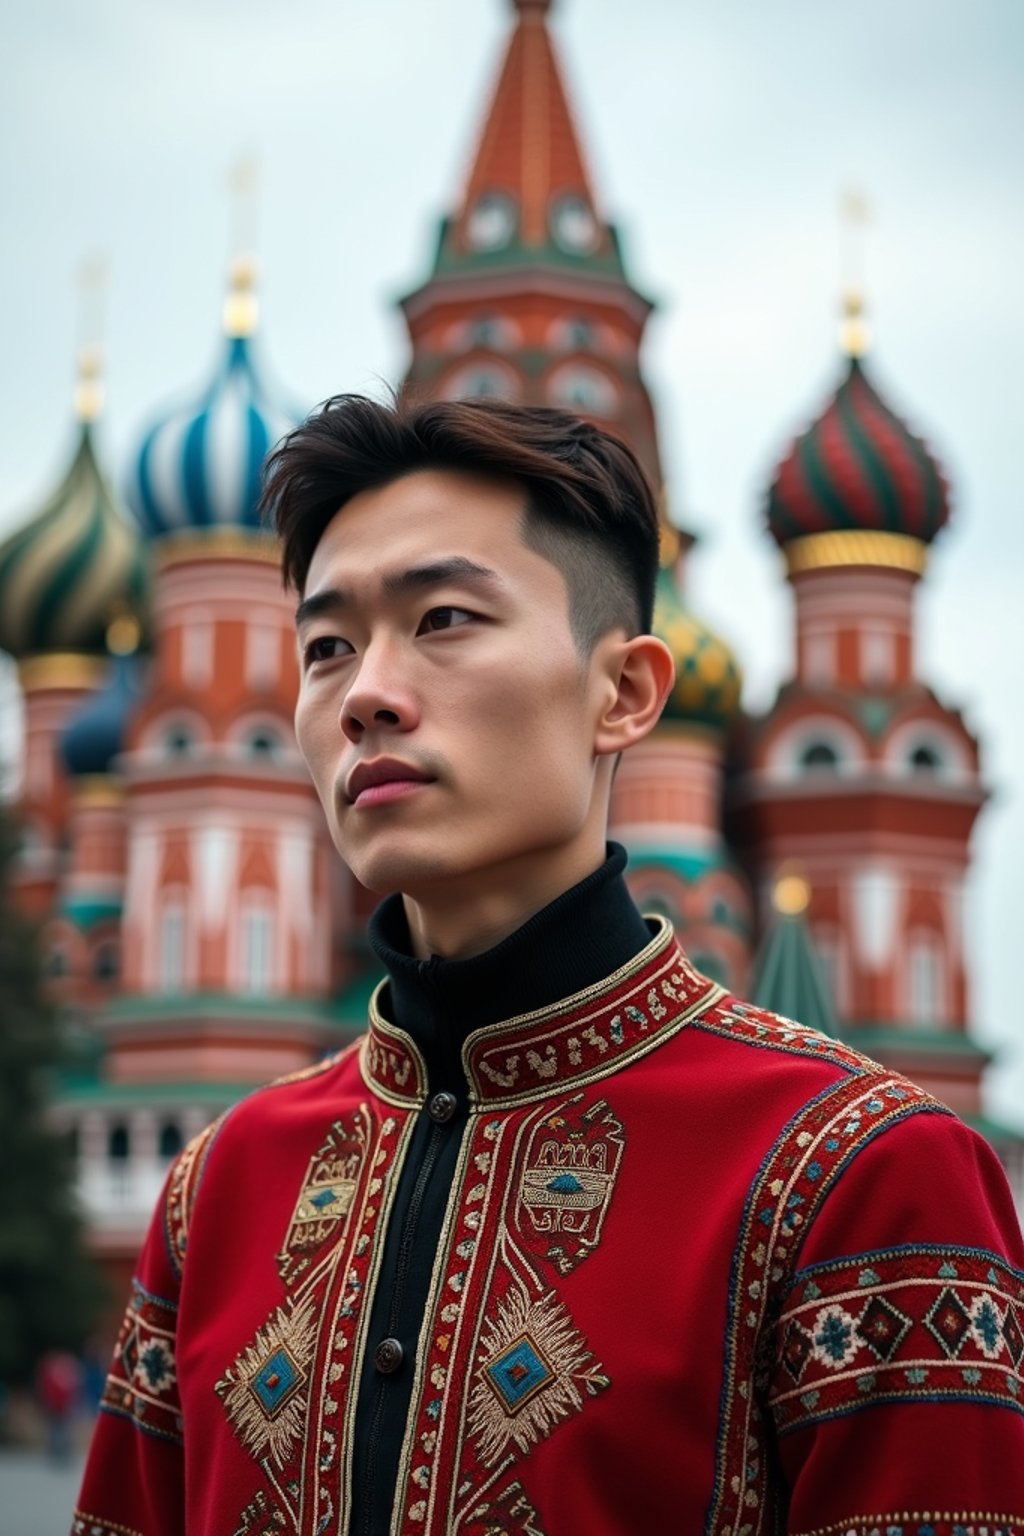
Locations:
(227, 927)
(858, 774)
(65, 577)
(528, 298)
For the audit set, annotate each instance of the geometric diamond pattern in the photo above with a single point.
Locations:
(929, 1322)
(948, 1322)
(883, 1328)
(1014, 1335)
(796, 1349)
(518, 1373)
(276, 1381)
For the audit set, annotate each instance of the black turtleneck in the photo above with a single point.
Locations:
(577, 940)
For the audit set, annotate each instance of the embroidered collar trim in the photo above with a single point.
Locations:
(572, 1042)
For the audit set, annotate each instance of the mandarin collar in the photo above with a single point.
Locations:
(582, 984)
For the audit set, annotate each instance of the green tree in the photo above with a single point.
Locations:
(49, 1289)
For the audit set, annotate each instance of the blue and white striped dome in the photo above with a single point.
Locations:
(200, 467)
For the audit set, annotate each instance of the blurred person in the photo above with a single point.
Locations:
(59, 1389)
(571, 1240)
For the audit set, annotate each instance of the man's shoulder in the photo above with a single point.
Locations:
(742, 1032)
(258, 1126)
(326, 1084)
(331, 1079)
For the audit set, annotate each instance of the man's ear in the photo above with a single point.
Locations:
(640, 673)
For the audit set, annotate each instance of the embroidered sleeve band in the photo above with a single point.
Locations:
(923, 1523)
(142, 1385)
(924, 1322)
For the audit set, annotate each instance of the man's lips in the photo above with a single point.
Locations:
(383, 779)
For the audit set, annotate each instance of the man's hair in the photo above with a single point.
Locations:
(589, 508)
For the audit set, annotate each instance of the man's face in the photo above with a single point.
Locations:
(445, 712)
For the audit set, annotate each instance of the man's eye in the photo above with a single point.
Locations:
(445, 618)
(325, 648)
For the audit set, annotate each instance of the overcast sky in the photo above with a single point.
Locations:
(720, 135)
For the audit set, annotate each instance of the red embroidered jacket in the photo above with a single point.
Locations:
(702, 1270)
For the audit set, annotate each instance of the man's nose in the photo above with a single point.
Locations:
(378, 697)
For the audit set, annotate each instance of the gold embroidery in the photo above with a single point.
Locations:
(94, 1525)
(569, 1172)
(264, 1392)
(534, 1370)
(323, 1206)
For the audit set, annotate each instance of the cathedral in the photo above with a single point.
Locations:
(202, 935)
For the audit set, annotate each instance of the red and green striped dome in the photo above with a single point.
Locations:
(858, 468)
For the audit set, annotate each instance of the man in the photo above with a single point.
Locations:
(571, 1241)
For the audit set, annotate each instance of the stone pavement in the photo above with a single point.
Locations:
(36, 1498)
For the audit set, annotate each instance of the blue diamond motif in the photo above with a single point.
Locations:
(275, 1381)
(323, 1197)
(565, 1184)
(518, 1373)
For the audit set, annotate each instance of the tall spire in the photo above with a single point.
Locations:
(527, 296)
(528, 187)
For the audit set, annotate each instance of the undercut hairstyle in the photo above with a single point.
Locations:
(589, 507)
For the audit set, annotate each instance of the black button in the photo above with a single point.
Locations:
(388, 1356)
(442, 1106)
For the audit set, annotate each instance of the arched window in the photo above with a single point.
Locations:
(579, 334)
(263, 742)
(486, 331)
(169, 1142)
(819, 754)
(178, 741)
(581, 388)
(106, 960)
(926, 759)
(118, 1143)
(482, 380)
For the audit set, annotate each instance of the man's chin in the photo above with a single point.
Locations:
(411, 871)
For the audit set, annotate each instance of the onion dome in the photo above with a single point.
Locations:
(97, 732)
(858, 469)
(78, 565)
(708, 679)
(200, 467)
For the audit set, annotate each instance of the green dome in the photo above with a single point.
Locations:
(708, 678)
(73, 569)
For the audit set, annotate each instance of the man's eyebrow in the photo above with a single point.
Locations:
(453, 568)
(418, 578)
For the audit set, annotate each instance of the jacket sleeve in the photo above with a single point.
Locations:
(894, 1375)
(134, 1481)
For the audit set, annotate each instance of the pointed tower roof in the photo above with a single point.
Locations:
(528, 192)
(787, 975)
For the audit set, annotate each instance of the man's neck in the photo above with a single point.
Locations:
(464, 918)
